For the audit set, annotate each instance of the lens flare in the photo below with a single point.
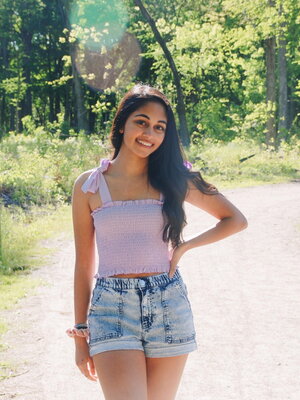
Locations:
(106, 55)
(113, 68)
(98, 22)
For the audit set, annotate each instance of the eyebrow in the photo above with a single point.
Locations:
(146, 116)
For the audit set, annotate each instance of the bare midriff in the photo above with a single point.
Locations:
(136, 275)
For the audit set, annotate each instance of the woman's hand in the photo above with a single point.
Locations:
(83, 360)
(176, 256)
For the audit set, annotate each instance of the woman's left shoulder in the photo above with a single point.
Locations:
(215, 203)
(193, 193)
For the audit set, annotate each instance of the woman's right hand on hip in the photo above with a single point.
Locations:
(83, 359)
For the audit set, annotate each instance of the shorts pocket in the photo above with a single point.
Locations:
(105, 315)
(181, 287)
(96, 296)
(178, 317)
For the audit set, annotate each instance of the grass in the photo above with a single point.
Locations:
(13, 288)
(220, 163)
(24, 250)
(37, 173)
(41, 169)
(6, 370)
(21, 231)
(36, 177)
(3, 329)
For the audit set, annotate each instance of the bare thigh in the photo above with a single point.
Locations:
(163, 376)
(122, 374)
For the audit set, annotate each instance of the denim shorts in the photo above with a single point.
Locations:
(151, 313)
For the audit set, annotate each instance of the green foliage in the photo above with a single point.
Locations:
(25, 177)
(21, 231)
(98, 23)
(215, 120)
(245, 163)
(217, 46)
(15, 89)
(23, 247)
(37, 173)
(40, 169)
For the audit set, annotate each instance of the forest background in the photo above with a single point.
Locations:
(237, 64)
(230, 68)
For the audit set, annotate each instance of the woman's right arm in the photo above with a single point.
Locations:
(84, 270)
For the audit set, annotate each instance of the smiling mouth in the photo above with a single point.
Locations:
(143, 143)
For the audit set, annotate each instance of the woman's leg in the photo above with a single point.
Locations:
(122, 374)
(163, 376)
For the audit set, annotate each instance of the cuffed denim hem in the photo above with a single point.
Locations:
(152, 314)
(116, 344)
(153, 352)
(170, 351)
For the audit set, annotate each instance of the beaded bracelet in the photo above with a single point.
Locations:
(80, 326)
(80, 330)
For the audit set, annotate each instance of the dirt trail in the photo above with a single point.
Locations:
(245, 294)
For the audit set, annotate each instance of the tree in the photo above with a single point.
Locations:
(232, 68)
(81, 112)
(270, 54)
(183, 130)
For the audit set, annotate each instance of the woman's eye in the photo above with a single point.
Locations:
(160, 128)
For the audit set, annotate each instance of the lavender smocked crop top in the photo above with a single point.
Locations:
(128, 232)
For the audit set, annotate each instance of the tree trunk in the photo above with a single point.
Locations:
(67, 103)
(269, 45)
(3, 124)
(12, 122)
(4, 104)
(92, 99)
(292, 109)
(51, 104)
(183, 130)
(58, 91)
(27, 43)
(50, 78)
(282, 84)
(56, 103)
(81, 113)
(18, 112)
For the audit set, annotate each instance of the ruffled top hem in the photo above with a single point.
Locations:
(111, 272)
(126, 203)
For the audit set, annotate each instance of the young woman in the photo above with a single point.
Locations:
(135, 332)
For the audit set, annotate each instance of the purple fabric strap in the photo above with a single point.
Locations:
(96, 181)
(103, 190)
(128, 232)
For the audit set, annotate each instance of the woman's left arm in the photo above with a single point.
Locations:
(231, 221)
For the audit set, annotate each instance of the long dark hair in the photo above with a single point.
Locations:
(166, 169)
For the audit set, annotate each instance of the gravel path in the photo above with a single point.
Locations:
(245, 294)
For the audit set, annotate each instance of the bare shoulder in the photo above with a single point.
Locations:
(82, 220)
(80, 199)
(79, 196)
(215, 203)
(82, 178)
(194, 194)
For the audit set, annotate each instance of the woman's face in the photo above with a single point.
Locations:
(145, 129)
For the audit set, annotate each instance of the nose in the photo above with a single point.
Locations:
(148, 131)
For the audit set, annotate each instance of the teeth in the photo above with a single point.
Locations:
(144, 143)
